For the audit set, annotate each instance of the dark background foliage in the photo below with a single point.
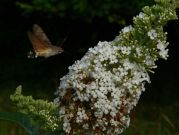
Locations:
(82, 23)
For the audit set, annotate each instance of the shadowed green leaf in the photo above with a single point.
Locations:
(165, 117)
(55, 133)
(22, 120)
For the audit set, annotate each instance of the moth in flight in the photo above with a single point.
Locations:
(41, 44)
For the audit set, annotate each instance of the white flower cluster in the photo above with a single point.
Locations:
(101, 90)
(98, 93)
(163, 52)
(50, 120)
(152, 34)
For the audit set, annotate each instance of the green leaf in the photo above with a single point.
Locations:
(166, 118)
(55, 133)
(22, 120)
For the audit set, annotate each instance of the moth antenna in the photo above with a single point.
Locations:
(63, 41)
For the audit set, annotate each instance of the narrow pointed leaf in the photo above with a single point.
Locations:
(20, 119)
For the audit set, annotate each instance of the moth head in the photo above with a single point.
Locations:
(60, 50)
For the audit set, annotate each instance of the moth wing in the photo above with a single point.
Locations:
(40, 34)
(37, 43)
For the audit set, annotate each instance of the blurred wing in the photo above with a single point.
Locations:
(39, 33)
(37, 43)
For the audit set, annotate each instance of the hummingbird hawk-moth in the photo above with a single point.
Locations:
(42, 46)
